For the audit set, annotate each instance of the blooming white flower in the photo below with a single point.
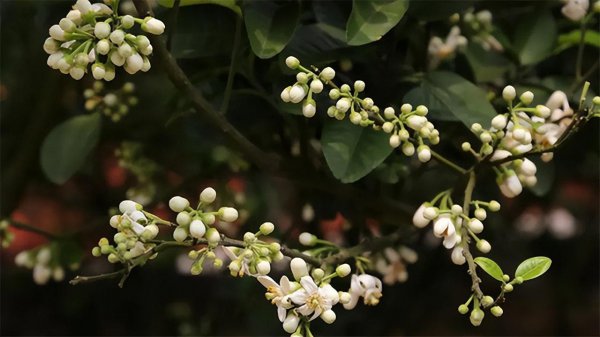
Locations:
(367, 286)
(312, 299)
(278, 294)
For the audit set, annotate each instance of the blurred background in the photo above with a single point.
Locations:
(160, 148)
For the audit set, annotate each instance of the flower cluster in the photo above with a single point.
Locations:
(136, 229)
(478, 27)
(391, 263)
(256, 256)
(113, 104)
(448, 220)
(311, 295)
(131, 158)
(440, 49)
(409, 128)
(6, 236)
(95, 34)
(45, 262)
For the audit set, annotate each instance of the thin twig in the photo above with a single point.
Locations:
(232, 65)
(475, 280)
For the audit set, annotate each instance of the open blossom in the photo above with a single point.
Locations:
(314, 300)
(278, 294)
(444, 227)
(440, 50)
(392, 265)
(366, 286)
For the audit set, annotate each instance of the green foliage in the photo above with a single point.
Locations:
(533, 267)
(66, 147)
(535, 38)
(352, 151)
(572, 38)
(270, 25)
(231, 4)
(490, 267)
(486, 65)
(370, 20)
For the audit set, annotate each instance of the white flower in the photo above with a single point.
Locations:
(499, 122)
(178, 204)
(366, 286)
(197, 229)
(297, 93)
(314, 300)
(278, 294)
(575, 10)
(309, 110)
(228, 214)
(298, 267)
(457, 256)
(316, 86)
(57, 33)
(83, 6)
(290, 324)
(510, 185)
(134, 63)
(343, 104)
(208, 195)
(102, 30)
(153, 26)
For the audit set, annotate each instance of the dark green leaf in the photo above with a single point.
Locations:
(458, 97)
(535, 37)
(533, 267)
(314, 43)
(352, 151)
(571, 39)
(490, 267)
(486, 65)
(370, 20)
(438, 10)
(66, 147)
(270, 25)
(231, 4)
(437, 110)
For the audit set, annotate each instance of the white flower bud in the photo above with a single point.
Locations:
(368, 103)
(307, 239)
(197, 229)
(297, 93)
(575, 10)
(128, 206)
(208, 195)
(355, 118)
(302, 77)
(430, 213)
(103, 47)
(180, 234)
(457, 256)
(499, 122)
(183, 218)
(316, 86)
(57, 33)
(510, 185)
(509, 93)
(178, 204)
(327, 74)
(476, 226)
(75, 16)
(138, 217)
(406, 108)
(213, 236)
(153, 26)
(343, 104)
(127, 21)
(228, 214)
(422, 110)
(98, 71)
(416, 122)
(116, 58)
(146, 51)
(109, 75)
(542, 111)
(43, 256)
(117, 37)
(298, 267)
(114, 221)
(526, 97)
(67, 25)
(388, 127)
(476, 317)
(345, 297)
(359, 86)
(389, 113)
(102, 30)
(480, 214)
(424, 153)
(394, 141)
(292, 62)
(343, 270)
(41, 274)
(146, 65)
(484, 246)
(266, 228)
(290, 324)
(527, 167)
(285, 95)
(309, 109)
(51, 46)
(263, 267)
(408, 149)
(328, 316)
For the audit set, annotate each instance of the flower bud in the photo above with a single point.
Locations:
(343, 270)
(316, 86)
(180, 234)
(267, 228)
(334, 94)
(343, 104)
(228, 214)
(416, 122)
(327, 74)
(183, 219)
(466, 146)
(508, 287)
(213, 236)
(197, 229)
(484, 246)
(422, 110)
(309, 109)
(499, 122)
(302, 78)
(510, 185)
(463, 309)
(359, 86)
(406, 108)
(208, 195)
(102, 30)
(526, 97)
(292, 62)
(345, 297)
(596, 99)
(263, 267)
(457, 256)
(419, 218)
(98, 71)
(509, 93)
(153, 26)
(297, 93)
(424, 153)
(496, 311)
(476, 127)
(388, 127)
(328, 316)
(408, 149)
(486, 301)
(77, 72)
(285, 94)
(480, 214)
(477, 316)
(307, 239)
(299, 268)
(542, 111)
(290, 324)
(476, 226)
(178, 204)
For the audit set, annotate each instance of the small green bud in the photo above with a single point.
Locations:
(292, 62)
(506, 278)
(486, 301)
(343, 270)
(112, 258)
(466, 146)
(106, 249)
(494, 206)
(218, 263)
(496, 311)
(508, 288)
(196, 269)
(334, 94)
(103, 242)
(518, 280)
(249, 237)
(267, 228)
(96, 251)
(422, 110)
(345, 88)
(302, 78)
(193, 254)
(477, 316)
(463, 309)
(318, 274)
(596, 99)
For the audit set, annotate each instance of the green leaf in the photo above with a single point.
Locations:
(352, 151)
(231, 4)
(427, 10)
(66, 147)
(459, 97)
(533, 267)
(490, 267)
(535, 38)
(437, 110)
(571, 39)
(370, 20)
(270, 25)
(486, 65)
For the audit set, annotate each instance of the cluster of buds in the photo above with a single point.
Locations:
(136, 230)
(391, 263)
(310, 295)
(6, 236)
(45, 262)
(114, 104)
(521, 130)
(199, 223)
(479, 28)
(95, 34)
(363, 111)
(131, 158)
(477, 314)
(576, 10)
(256, 256)
(440, 49)
(449, 219)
